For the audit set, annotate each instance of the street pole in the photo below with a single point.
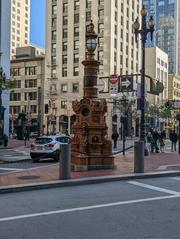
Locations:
(39, 112)
(139, 168)
(178, 119)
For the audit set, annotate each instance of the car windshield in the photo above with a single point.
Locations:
(43, 140)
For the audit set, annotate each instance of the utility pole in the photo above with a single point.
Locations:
(39, 112)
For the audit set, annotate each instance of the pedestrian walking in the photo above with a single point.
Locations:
(155, 136)
(5, 140)
(161, 143)
(114, 137)
(173, 139)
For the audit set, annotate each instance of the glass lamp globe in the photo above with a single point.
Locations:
(91, 44)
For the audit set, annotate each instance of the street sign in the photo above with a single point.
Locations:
(176, 104)
(126, 83)
(113, 80)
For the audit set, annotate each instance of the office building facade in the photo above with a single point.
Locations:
(167, 30)
(117, 51)
(5, 23)
(20, 24)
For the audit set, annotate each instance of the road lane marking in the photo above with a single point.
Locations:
(5, 219)
(11, 169)
(163, 190)
(176, 178)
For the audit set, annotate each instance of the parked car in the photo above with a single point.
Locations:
(48, 146)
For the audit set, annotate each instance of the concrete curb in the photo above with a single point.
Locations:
(84, 181)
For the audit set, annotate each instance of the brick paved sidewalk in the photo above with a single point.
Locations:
(124, 165)
(14, 143)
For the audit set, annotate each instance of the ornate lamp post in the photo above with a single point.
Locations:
(90, 147)
(143, 32)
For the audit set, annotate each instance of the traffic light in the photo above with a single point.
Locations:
(156, 87)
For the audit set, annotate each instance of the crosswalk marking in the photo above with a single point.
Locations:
(154, 188)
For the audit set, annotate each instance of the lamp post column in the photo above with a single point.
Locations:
(143, 41)
(140, 147)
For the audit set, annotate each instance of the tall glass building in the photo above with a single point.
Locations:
(167, 30)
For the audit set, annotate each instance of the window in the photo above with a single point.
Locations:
(65, 46)
(76, 71)
(100, 55)
(31, 83)
(15, 109)
(54, 9)
(64, 88)
(88, 16)
(53, 47)
(54, 21)
(33, 109)
(15, 96)
(101, 2)
(65, 33)
(76, 58)
(76, 45)
(15, 71)
(100, 27)
(65, 7)
(30, 96)
(64, 71)
(65, 20)
(30, 70)
(53, 35)
(76, 5)
(88, 3)
(76, 31)
(17, 84)
(53, 60)
(100, 41)
(75, 87)
(64, 59)
(63, 104)
(76, 18)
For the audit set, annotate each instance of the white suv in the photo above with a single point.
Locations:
(48, 146)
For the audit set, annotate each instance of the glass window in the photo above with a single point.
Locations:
(76, 71)
(75, 87)
(64, 88)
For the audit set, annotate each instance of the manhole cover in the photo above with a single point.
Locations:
(28, 177)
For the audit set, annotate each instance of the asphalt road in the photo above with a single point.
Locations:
(141, 209)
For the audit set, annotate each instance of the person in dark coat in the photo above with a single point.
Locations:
(5, 140)
(155, 136)
(115, 137)
(173, 139)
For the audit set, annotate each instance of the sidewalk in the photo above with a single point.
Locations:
(124, 165)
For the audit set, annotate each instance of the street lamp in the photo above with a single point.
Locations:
(143, 32)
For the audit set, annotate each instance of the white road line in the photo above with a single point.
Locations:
(176, 178)
(163, 190)
(5, 219)
(11, 169)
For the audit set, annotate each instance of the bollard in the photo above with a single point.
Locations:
(65, 161)
(139, 157)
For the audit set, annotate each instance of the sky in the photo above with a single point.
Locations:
(37, 35)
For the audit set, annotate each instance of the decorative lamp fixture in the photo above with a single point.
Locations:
(91, 36)
(143, 11)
